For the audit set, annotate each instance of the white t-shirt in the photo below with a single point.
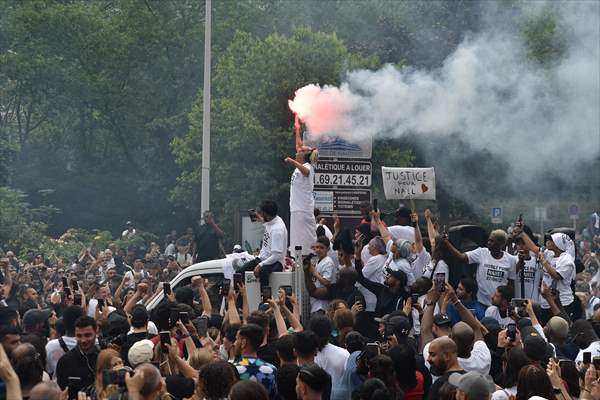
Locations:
(373, 271)
(491, 272)
(494, 312)
(441, 267)
(364, 254)
(131, 282)
(126, 234)
(183, 259)
(402, 232)
(420, 263)
(171, 250)
(403, 265)
(327, 270)
(301, 190)
(593, 348)
(54, 352)
(480, 360)
(333, 360)
(503, 394)
(532, 278)
(274, 242)
(328, 232)
(565, 266)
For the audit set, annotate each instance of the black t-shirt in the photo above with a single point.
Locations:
(207, 243)
(268, 353)
(434, 391)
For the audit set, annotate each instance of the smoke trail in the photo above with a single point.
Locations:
(488, 91)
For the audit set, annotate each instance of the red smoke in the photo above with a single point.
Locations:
(321, 109)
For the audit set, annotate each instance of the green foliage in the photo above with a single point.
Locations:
(20, 228)
(544, 37)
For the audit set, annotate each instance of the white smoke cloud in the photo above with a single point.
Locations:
(495, 97)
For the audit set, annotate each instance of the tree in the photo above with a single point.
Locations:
(252, 125)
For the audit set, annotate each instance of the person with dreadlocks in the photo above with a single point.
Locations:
(302, 203)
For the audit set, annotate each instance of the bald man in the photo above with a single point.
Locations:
(473, 353)
(145, 384)
(443, 359)
(45, 391)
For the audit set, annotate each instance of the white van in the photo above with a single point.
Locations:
(217, 270)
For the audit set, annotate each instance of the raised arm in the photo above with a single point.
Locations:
(245, 306)
(465, 315)
(427, 322)
(139, 293)
(455, 252)
(291, 317)
(234, 316)
(279, 321)
(431, 231)
(182, 365)
(383, 230)
(418, 239)
(303, 170)
(206, 305)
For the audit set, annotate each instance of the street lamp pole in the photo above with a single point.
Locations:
(205, 194)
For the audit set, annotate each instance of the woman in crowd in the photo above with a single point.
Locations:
(108, 359)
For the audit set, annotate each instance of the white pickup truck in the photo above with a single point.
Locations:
(217, 270)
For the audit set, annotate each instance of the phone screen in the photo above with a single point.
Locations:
(184, 317)
(440, 281)
(587, 357)
(237, 280)
(287, 289)
(65, 283)
(167, 288)
(100, 303)
(75, 284)
(165, 338)
(266, 292)
(225, 286)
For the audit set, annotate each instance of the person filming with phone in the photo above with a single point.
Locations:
(274, 244)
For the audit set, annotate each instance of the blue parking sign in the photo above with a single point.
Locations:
(496, 215)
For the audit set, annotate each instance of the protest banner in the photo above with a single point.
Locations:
(408, 183)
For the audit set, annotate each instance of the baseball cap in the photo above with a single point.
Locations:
(34, 316)
(535, 346)
(490, 322)
(237, 248)
(141, 352)
(403, 211)
(559, 327)
(523, 323)
(397, 325)
(475, 385)
(442, 320)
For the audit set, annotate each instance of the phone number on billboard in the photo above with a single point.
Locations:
(342, 180)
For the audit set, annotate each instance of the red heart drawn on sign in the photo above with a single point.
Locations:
(424, 187)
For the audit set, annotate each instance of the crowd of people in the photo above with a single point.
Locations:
(391, 314)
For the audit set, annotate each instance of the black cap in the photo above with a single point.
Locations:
(536, 347)
(442, 320)
(403, 211)
(397, 325)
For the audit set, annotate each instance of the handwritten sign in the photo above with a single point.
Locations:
(408, 183)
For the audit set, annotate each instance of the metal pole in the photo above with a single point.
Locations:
(205, 194)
